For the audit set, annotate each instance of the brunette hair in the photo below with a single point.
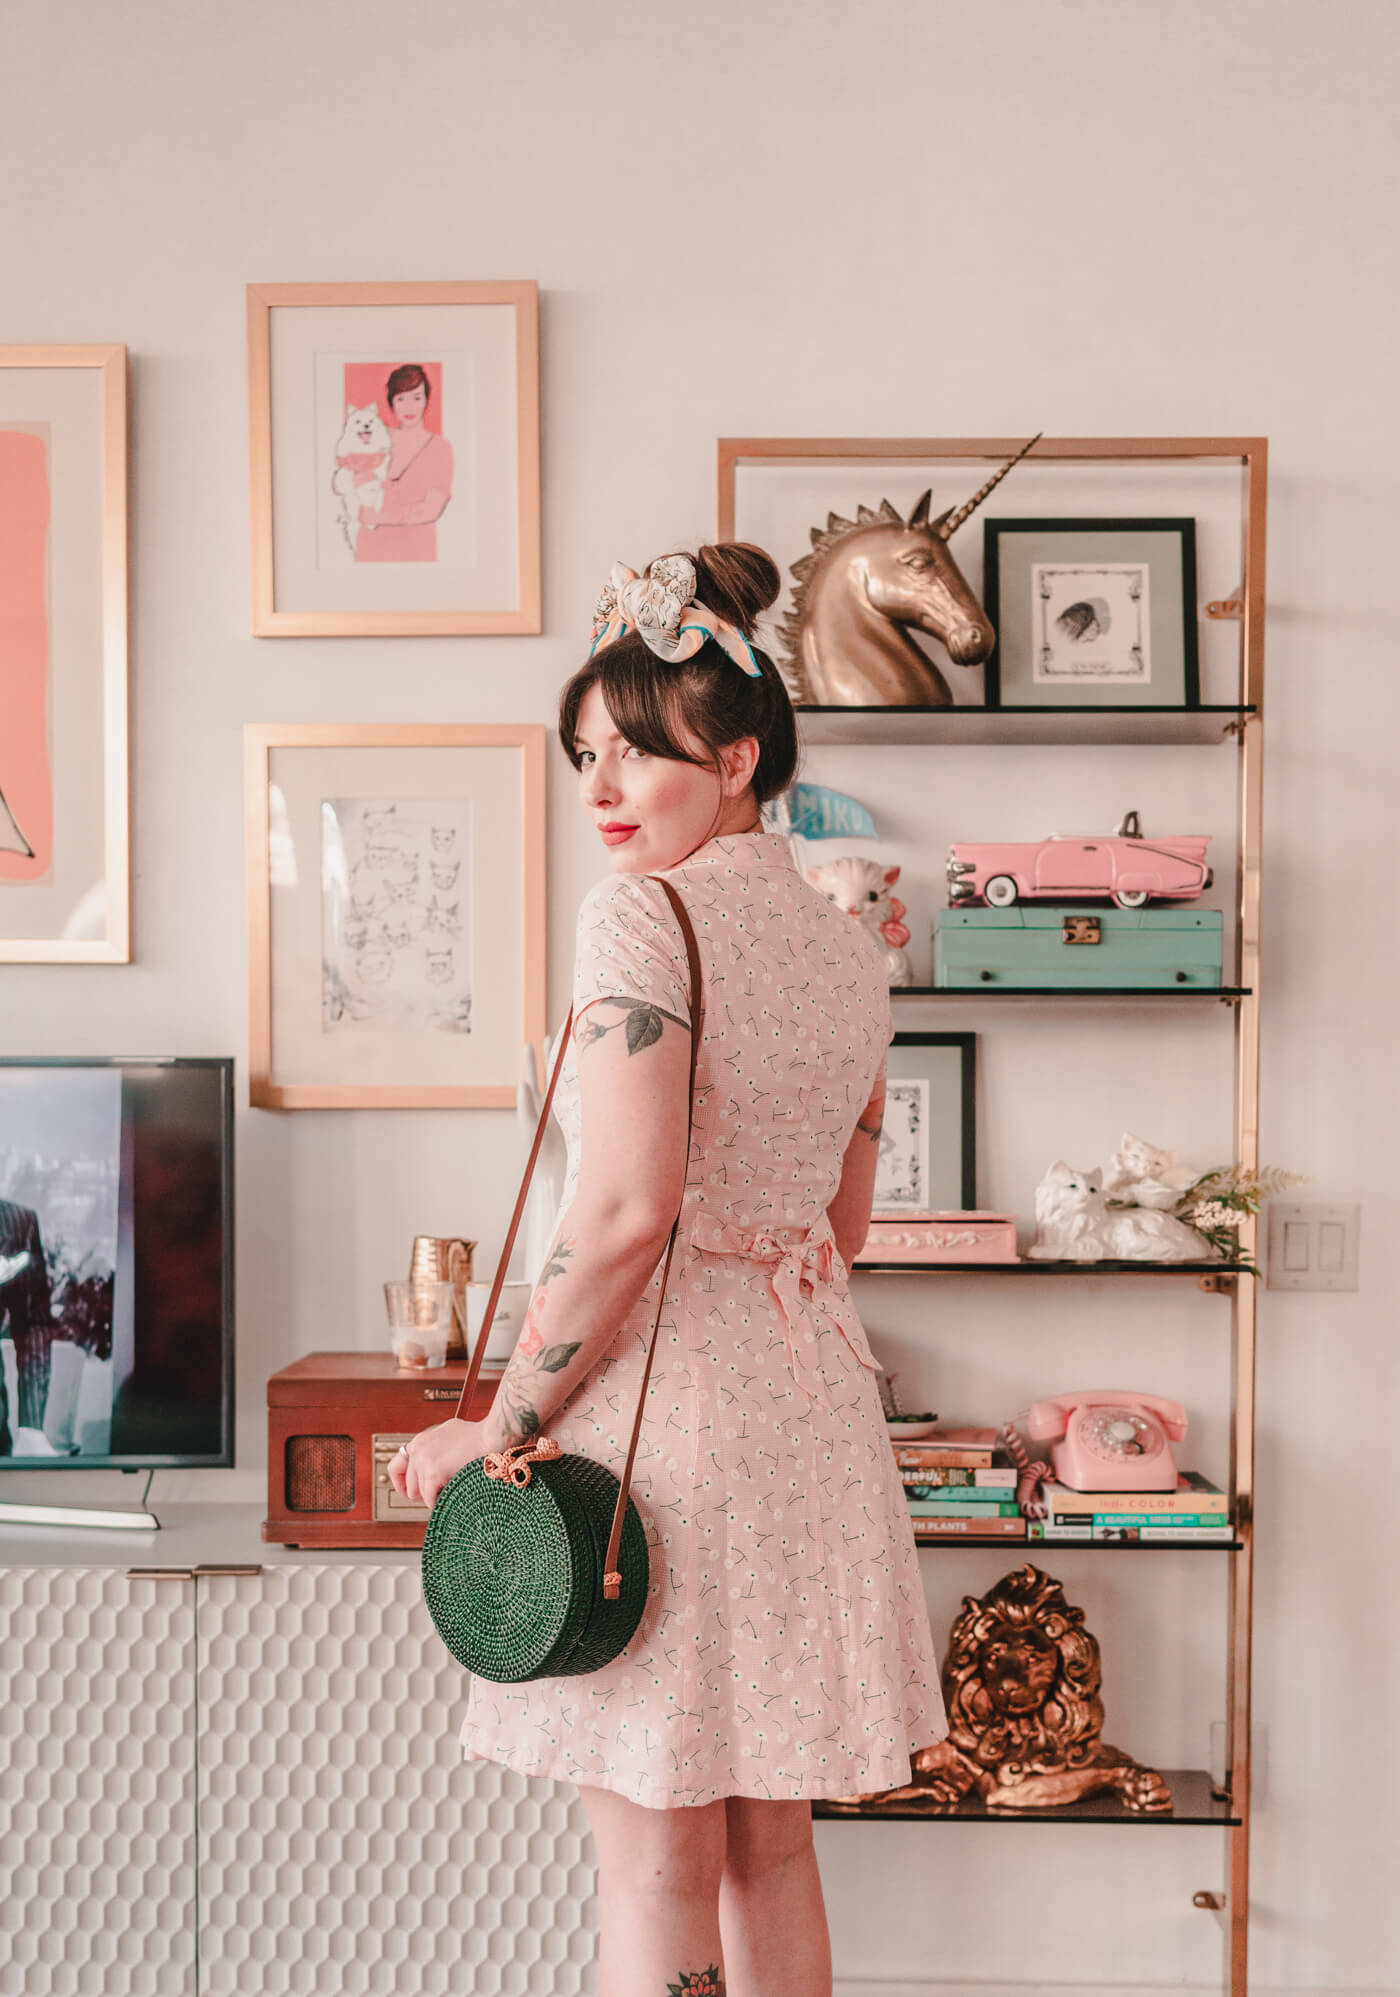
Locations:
(402, 380)
(708, 696)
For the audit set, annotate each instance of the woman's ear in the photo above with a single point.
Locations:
(739, 761)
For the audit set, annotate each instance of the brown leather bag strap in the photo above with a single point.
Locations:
(611, 1575)
(495, 1296)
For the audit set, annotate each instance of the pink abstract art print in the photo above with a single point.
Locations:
(26, 785)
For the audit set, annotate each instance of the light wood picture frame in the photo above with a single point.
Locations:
(396, 913)
(394, 459)
(65, 873)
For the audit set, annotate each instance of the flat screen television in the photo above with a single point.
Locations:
(116, 1263)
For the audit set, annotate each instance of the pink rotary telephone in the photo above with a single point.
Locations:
(1110, 1440)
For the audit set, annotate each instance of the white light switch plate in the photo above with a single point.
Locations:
(1312, 1247)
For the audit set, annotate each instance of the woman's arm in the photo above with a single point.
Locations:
(634, 1084)
(849, 1212)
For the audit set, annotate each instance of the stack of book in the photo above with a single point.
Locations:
(957, 1486)
(1196, 1510)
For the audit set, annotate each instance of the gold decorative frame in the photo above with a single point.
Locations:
(260, 739)
(268, 620)
(111, 671)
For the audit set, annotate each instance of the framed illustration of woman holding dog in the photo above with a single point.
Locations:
(394, 456)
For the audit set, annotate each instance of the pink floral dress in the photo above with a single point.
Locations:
(785, 1649)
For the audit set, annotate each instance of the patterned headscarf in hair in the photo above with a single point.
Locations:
(661, 606)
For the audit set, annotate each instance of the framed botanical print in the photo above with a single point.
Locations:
(395, 458)
(1092, 613)
(928, 1142)
(396, 914)
(64, 869)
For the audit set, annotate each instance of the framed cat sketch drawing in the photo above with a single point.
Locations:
(64, 870)
(395, 458)
(396, 914)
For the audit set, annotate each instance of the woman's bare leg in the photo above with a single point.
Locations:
(771, 1912)
(658, 1896)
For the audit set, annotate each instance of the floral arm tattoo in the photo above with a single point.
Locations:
(642, 1019)
(518, 1394)
(871, 1120)
(520, 1405)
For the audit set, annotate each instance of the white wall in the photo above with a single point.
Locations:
(1087, 216)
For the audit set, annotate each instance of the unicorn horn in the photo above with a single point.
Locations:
(949, 523)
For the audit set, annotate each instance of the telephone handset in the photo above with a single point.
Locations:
(1108, 1439)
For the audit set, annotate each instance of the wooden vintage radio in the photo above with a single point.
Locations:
(334, 1419)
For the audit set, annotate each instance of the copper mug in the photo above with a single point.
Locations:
(445, 1258)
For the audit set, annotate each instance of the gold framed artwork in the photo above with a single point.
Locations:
(396, 913)
(65, 894)
(394, 454)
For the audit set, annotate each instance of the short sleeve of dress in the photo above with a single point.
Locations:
(629, 945)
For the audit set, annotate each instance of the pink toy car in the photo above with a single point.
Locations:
(1125, 867)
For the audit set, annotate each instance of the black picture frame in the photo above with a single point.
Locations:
(964, 1046)
(1095, 696)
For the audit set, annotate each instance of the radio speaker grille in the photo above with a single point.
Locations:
(320, 1473)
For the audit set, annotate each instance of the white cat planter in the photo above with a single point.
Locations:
(1147, 1177)
(1074, 1223)
(862, 889)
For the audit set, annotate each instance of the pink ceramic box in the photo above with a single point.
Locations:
(941, 1237)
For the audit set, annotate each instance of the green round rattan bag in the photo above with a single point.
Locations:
(513, 1578)
(532, 1568)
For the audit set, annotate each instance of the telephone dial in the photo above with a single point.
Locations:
(1109, 1439)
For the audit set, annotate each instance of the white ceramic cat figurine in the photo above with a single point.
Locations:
(1140, 1172)
(1074, 1223)
(862, 889)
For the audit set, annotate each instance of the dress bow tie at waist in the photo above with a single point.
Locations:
(799, 1267)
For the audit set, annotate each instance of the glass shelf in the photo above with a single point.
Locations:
(1049, 1269)
(1003, 1542)
(1192, 1803)
(1020, 726)
(1135, 992)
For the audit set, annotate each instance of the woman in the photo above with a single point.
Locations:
(784, 1653)
(418, 483)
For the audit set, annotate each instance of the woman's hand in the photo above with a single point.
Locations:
(435, 1456)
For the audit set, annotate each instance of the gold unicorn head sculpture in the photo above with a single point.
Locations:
(864, 582)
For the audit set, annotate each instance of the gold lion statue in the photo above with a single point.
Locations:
(1021, 1683)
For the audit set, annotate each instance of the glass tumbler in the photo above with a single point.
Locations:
(420, 1323)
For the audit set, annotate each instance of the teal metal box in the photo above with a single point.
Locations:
(1083, 948)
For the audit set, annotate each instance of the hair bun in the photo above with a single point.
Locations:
(738, 580)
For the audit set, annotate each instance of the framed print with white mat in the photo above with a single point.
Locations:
(394, 455)
(65, 893)
(396, 913)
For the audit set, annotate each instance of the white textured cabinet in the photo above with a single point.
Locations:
(252, 1783)
(97, 1784)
